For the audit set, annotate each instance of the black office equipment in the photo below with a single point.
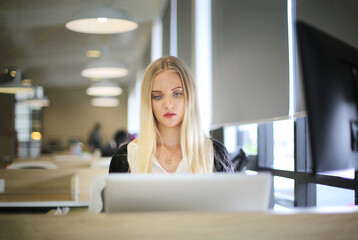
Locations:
(239, 160)
(329, 72)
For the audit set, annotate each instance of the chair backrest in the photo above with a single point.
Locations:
(96, 188)
(239, 160)
(103, 162)
(30, 164)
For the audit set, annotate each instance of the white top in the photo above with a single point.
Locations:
(156, 167)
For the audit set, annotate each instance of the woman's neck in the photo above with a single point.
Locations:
(170, 136)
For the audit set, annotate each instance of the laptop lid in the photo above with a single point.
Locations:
(187, 192)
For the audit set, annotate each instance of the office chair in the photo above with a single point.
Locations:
(96, 188)
(239, 160)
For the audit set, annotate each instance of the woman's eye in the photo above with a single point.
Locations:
(177, 94)
(157, 97)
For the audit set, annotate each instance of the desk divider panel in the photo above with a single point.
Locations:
(26, 185)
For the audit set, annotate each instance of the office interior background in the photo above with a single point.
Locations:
(242, 54)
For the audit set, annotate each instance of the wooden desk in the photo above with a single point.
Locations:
(47, 188)
(263, 226)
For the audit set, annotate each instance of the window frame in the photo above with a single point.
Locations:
(304, 179)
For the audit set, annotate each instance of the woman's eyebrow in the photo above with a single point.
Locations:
(177, 88)
(156, 91)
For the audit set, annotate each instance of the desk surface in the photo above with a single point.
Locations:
(181, 226)
(45, 204)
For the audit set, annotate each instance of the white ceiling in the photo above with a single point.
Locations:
(33, 38)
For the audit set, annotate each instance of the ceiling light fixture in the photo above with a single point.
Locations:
(38, 100)
(93, 53)
(105, 102)
(102, 20)
(104, 67)
(16, 85)
(104, 88)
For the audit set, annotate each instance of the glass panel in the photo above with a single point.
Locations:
(22, 152)
(348, 173)
(22, 109)
(334, 197)
(23, 137)
(247, 137)
(283, 136)
(27, 121)
(22, 124)
(284, 193)
(243, 136)
(230, 138)
(35, 152)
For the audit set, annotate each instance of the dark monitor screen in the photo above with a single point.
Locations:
(329, 72)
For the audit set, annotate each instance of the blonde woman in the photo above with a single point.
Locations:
(170, 138)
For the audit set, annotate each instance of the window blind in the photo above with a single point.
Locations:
(250, 61)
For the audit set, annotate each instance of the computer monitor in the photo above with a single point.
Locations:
(329, 72)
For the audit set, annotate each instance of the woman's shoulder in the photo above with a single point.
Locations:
(124, 148)
(119, 162)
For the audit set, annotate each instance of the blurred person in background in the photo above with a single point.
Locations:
(121, 137)
(95, 139)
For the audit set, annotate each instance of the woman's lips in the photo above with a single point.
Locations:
(169, 115)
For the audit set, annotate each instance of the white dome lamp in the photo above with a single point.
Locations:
(38, 100)
(105, 102)
(102, 20)
(104, 88)
(16, 85)
(104, 67)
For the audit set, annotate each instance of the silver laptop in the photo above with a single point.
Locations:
(187, 192)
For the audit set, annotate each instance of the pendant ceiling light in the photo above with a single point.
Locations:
(104, 67)
(105, 102)
(16, 85)
(102, 20)
(38, 100)
(104, 88)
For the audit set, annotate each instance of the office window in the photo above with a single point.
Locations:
(27, 121)
(284, 146)
(23, 122)
(242, 136)
(334, 197)
(348, 173)
(230, 138)
(294, 184)
(283, 193)
(283, 134)
(247, 137)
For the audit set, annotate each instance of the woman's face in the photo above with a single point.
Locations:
(168, 99)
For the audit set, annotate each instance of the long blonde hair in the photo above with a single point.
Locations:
(197, 149)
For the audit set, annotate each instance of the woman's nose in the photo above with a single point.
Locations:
(168, 104)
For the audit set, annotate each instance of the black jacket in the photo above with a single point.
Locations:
(222, 162)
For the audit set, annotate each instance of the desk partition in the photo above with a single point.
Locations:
(43, 188)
